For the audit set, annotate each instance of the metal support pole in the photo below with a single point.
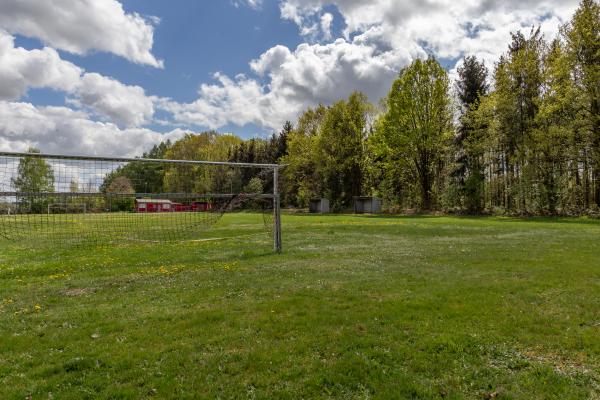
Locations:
(276, 212)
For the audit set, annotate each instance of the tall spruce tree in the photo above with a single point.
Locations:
(278, 143)
(518, 84)
(552, 137)
(583, 45)
(468, 175)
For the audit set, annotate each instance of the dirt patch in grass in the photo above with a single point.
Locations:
(76, 292)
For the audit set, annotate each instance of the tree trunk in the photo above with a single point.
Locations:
(595, 114)
(596, 184)
(550, 184)
(586, 180)
(425, 191)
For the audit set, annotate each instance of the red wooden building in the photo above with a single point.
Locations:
(201, 206)
(161, 205)
(153, 205)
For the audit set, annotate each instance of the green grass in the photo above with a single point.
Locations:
(355, 307)
(71, 229)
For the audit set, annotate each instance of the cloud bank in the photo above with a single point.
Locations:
(380, 38)
(63, 130)
(103, 115)
(81, 26)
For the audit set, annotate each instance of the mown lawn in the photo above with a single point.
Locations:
(356, 307)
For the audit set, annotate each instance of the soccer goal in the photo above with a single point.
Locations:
(66, 199)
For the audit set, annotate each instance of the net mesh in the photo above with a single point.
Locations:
(49, 199)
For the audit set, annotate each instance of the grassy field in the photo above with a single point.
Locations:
(356, 307)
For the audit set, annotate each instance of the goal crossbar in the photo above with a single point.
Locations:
(142, 160)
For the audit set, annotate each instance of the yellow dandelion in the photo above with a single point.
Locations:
(37, 308)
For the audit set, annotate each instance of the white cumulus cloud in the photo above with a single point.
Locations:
(448, 28)
(21, 69)
(240, 101)
(81, 26)
(61, 129)
(380, 38)
(125, 105)
(109, 99)
(312, 74)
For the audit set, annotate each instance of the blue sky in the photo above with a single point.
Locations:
(116, 76)
(196, 39)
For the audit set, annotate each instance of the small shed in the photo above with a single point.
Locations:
(367, 205)
(318, 206)
(153, 205)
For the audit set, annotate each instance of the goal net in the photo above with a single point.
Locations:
(73, 199)
(67, 208)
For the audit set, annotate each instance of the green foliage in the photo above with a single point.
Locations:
(209, 146)
(325, 153)
(301, 176)
(339, 150)
(414, 131)
(257, 150)
(467, 176)
(34, 175)
(552, 140)
(472, 82)
(518, 85)
(582, 36)
(117, 191)
(254, 186)
(146, 177)
(534, 137)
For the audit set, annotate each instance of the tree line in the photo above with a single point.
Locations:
(208, 146)
(522, 139)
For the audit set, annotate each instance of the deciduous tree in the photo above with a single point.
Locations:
(416, 128)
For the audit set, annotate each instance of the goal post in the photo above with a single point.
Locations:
(276, 212)
(65, 197)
